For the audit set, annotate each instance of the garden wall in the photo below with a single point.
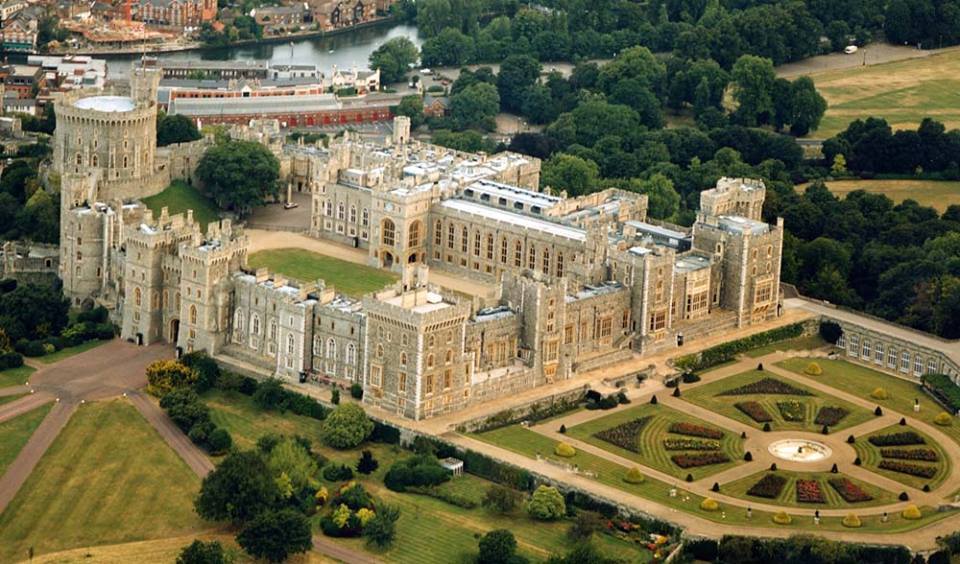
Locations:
(532, 411)
(725, 352)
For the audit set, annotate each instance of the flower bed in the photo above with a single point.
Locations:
(808, 491)
(699, 459)
(690, 444)
(923, 454)
(792, 410)
(850, 492)
(769, 486)
(626, 435)
(897, 439)
(830, 416)
(766, 386)
(695, 430)
(908, 468)
(754, 411)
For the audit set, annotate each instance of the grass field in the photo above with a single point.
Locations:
(107, 478)
(861, 381)
(706, 396)
(429, 530)
(870, 458)
(788, 496)
(15, 433)
(8, 399)
(351, 279)
(161, 550)
(15, 376)
(70, 351)
(652, 453)
(798, 344)
(902, 92)
(938, 194)
(528, 443)
(178, 198)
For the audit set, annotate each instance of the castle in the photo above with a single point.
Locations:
(582, 282)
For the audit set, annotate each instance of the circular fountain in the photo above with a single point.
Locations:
(800, 450)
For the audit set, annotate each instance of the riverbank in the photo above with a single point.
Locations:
(199, 46)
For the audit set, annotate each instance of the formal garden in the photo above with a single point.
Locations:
(905, 455)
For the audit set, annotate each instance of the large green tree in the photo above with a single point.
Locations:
(33, 311)
(275, 535)
(394, 58)
(546, 504)
(239, 175)
(199, 552)
(575, 175)
(475, 107)
(807, 106)
(175, 129)
(637, 63)
(517, 74)
(382, 529)
(497, 547)
(346, 427)
(754, 80)
(289, 458)
(239, 488)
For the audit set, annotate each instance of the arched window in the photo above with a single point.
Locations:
(489, 246)
(476, 244)
(290, 344)
(449, 357)
(403, 359)
(430, 360)
(351, 354)
(353, 214)
(317, 346)
(328, 208)
(193, 314)
(379, 351)
(341, 211)
(518, 254)
(532, 257)
(546, 260)
(389, 232)
(451, 234)
(125, 161)
(238, 321)
(438, 233)
(255, 324)
(413, 237)
(463, 240)
(365, 217)
(95, 161)
(272, 330)
(137, 296)
(331, 348)
(559, 263)
(503, 251)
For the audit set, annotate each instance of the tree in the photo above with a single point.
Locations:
(199, 552)
(839, 167)
(240, 488)
(290, 458)
(538, 105)
(208, 371)
(517, 74)
(573, 174)
(475, 107)
(807, 106)
(412, 107)
(585, 525)
(433, 16)
(637, 63)
(270, 394)
(175, 129)
(346, 427)
(588, 552)
(449, 48)
(382, 529)
(33, 311)
(394, 58)
(501, 498)
(367, 463)
(546, 504)
(164, 376)
(497, 547)
(275, 535)
(663, 200)
(753, 79)
(239, 175)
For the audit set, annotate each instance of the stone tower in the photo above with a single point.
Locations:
(401, 130)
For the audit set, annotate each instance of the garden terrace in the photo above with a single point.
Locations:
(861, 381)
(912, 458)
(659, 447)
(754, 398)
(784, 487)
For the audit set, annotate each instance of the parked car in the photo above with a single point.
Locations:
(851, 49)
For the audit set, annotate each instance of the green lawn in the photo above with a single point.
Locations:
(651, 437)
(870, 458)
(15, 376)
(15, 433)
(347, 277)
(938, 194)
(788, 496)
(107, 478)
(861, 381)
(429, 530)
(528, 443)
(178, 198)
(70, 351)
(798, 344)
(706, 396)
(8, 399)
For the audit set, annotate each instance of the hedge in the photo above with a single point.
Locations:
(943, 388)
(728, 351)
(10, 359)
(538, 412)
(754, 550)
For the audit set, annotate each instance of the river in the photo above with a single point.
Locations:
(347, 49)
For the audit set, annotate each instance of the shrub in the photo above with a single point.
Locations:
(497, 547)
(564, 450)
(335, 397)
(622, 398)
(676, 392)
(943, 418)
(199, 552)
(923, 454)
(219, 441)
(686, 443)
(689, 378)
(813, 369)
(709, 504)
(748, 457)
(879, 394)
(833, 469)
(857, 461)
(609, 402)
(164, 376)
(878, 412)
(943, 388)
(382, 529)
(337, 472)
(715, 487)
(356, 391)
(653, 399)
(792, 410)
(699, 459)
(346, 427)
(926, 488)
(851, 521)
(851, 440)
(781, 518)
(809, 491)
(759, 367)
(830, 331)
(825, 430)
(34, 349)
(766, 427)
(419, 470)
(546, 504)
(912, 512)
(773, 467)
(208, 372)
(634, 476)
(270, 395)
(367, 463)
(766, 386)
(897, 439)
(727, 351)
(768, 487)
(501, 499)
(694, 430)
(689, 478)
(908, 468)
(903, 496)
(563, 429)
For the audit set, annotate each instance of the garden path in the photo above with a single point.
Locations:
(190, 453)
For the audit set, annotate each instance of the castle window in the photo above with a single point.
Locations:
(489, 246)
(254, 324)
(290, 344)
(402, 382)
(238, 321)
(431, 341)
(476, 244)
(341, 211)
(404, 339)
(351, 353)
(379, 351)
(331, 349)
(376, 373)
(79, 159)
(403, 359)
(518, 254)
(317, 346)
(272, 330)
(532, 257)
(451, 234)
(503, 251)
(430, 360)
(447, 379)
(438, 233)
(328, 208)
(193, 314)
(559, 264)
(137, 296)
(546, 261)
(388, 233)
(413, 238)
(568, 334)
(463, 240)
(125, 161)
(365, 217)
(95, 161)
(353, 214)
(428, 384)
(449, 357)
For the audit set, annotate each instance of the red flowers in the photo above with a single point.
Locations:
(808, 491)
(850, 492)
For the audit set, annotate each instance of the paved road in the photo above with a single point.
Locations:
(195, 458)
(333, 549)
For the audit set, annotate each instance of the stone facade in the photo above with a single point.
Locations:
(29, 262)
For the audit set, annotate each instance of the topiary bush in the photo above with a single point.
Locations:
(689, 477)
(878, 412)
(773, 467)
(857, 461)
(676, 392)
(926, 488)
(748, 457)
(825, 430)
(943, 418)
(903, 496)
(912, 512)
(634, 476)
(766, 427)
(546, 504)
(715, 487)
(833, 469)
(653, 400)
(880, 394)
(337, 472)
(564, 450)
(563, 429)
(709, 504)
(813, 369)
(782, 518)
(903, 421)
(851, 521)
(851, 439)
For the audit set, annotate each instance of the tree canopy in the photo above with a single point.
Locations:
(346, 427)
(239, 488)
(175, 129)
(275, 535)
(239, 175)
(394, 58)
